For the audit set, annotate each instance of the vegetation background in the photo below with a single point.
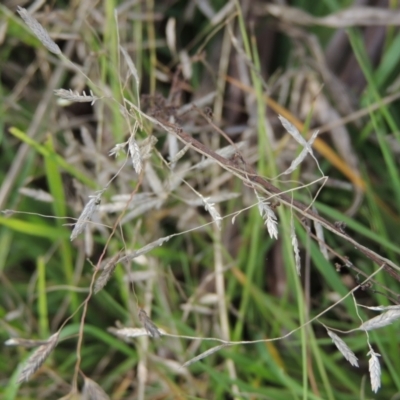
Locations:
(242, 63)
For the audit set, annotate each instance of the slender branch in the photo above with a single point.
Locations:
(250, 177)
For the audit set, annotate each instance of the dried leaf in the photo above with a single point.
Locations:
(128, 332)
(218, 198)
(134, 72)
(210, 207)
(170, 33)
(144, 250)
(173, 146)
(179, 154)
(36, 194)
(268, 216)
(354, 16)
(225, 152)
(131, 65)
(186, 63)
(27, 343)
(295, 245)
(141, 209)
(38, 31)
(383, 308)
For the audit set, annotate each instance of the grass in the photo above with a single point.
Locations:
(204, 286)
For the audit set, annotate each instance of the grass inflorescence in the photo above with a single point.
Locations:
(186, 214)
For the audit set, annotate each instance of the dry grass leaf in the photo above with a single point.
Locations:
(354, 16)
(174, 366)
(383, 308)
(36, 194)
(327, 114)
(268, 215)
(74, 395)
(27, 343)
(141, 209)
(204, 355)
(381, 320)
(186, 63)
(144, 249)
(295, 245)
(226, 152)
(170, 33)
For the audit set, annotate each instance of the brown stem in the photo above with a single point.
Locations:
(248, 174)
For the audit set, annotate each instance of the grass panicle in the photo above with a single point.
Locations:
(205, 120)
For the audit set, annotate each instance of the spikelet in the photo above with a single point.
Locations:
(130, 332)
(374, 370)
(381, 320)
(343, 348)
(134, 152)
(86, 214)
(204, 355)
(76, 97)
(38, 31)
(210, 207)
(268, 216)
(37, 359)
